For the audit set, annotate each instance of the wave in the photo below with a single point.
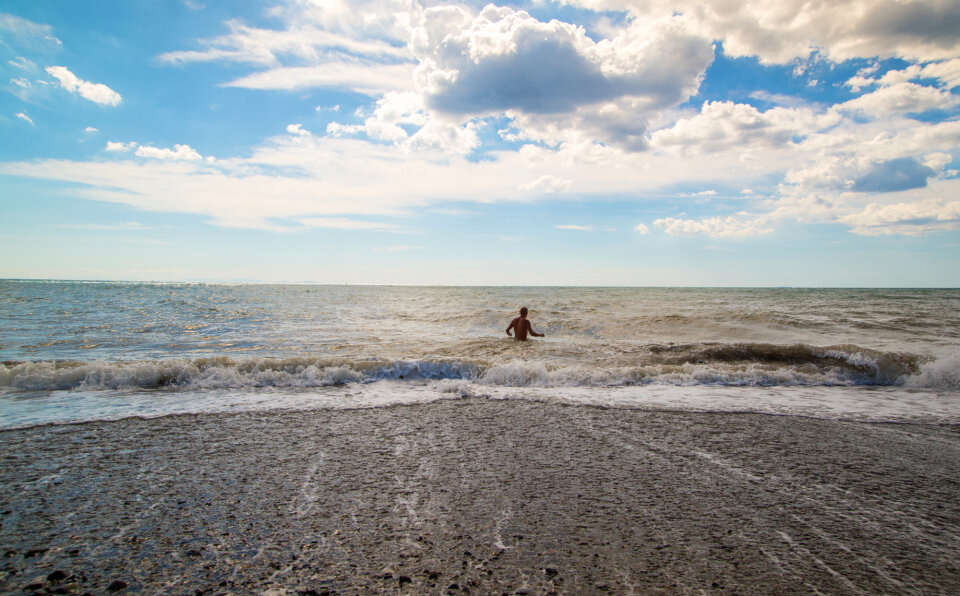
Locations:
(693, 364)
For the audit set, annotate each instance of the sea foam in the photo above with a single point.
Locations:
(807, 367)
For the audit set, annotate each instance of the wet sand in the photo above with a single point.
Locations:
(480, 496)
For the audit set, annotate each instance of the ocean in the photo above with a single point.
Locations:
(82, 351)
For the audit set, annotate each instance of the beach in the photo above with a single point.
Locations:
(481, 496)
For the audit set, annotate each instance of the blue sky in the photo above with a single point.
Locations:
(593, 142)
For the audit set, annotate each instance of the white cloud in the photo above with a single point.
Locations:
(587, 104)
(95, 92)
(24, 117)
(120, 147)
(948, 72)
(23, 64)
(887, 156)
(551, 78)
(369, 79)
(297, 129)
(27, 31)
(900, 98)
(304, 38)
(575, 227)
(355, 45)
(335, 129)
(547, 184)
(867, 175)
(911, 218)
(621, 123)
(715, 227)
(91, 130)
(291, 179)
(721, 125)
(393, 110)
(779, 32)
(937, 161)
(445, 138)
(179, 152)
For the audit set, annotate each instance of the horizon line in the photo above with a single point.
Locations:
(440, 285)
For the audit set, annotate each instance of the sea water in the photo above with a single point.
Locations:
(75, 351)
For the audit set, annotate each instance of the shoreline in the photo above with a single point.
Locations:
(484, 496)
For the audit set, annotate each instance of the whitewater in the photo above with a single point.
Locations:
(79, 351)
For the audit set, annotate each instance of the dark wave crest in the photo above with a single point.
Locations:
(686, 364)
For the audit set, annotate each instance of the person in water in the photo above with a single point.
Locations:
(522, 327)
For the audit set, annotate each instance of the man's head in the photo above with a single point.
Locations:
(523, 311)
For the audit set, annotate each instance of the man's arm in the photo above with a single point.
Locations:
(511, 326)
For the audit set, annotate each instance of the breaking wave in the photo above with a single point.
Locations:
(694, 364)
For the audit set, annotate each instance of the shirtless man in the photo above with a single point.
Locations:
(522, 326)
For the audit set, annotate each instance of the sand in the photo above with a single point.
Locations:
(481, 496)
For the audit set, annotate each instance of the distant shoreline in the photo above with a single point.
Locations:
(254, 282)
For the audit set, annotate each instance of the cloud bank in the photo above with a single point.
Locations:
(491, 103)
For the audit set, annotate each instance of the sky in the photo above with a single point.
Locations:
(580, 142)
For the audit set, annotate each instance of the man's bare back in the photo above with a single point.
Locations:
(522, 326)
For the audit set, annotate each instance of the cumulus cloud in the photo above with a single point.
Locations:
(336, 130)
(120, 147)
(900, 98)
(715, 227)
(179, 152)
(394, 111)
(574, 227)
(862, 161)
(95, 92)
(504, 59)
(297, 129)
(947, 71)
(91, 130)
(579, 106)
(547, 184)
(621, 123)
(894, 175)
(444, 137)
(25, 118)
(780, 32)
(721, 125)
(911, 218)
